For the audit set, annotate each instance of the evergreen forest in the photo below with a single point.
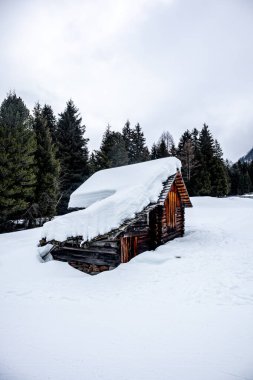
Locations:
(44, 158)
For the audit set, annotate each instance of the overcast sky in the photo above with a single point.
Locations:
(167, 64)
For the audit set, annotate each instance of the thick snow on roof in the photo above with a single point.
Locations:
(111, 196)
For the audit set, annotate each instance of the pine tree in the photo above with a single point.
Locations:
(17, 177)
(161, 149)
(100, 158)
(217, 150)
(240, 177)
(234, 175)
(245, 185)
(140, 150)
(112, 151)
(195, 137)
(118, 154)
(206, 172)
(212, 174)
(50, 119)
(165, 147)
(195, 184)
(72, 153)
(93, 163)
(47, 166)
(186, 136)
(173, 150)
(220, 179)
(203, 168)
(127, 134)
(153, 153)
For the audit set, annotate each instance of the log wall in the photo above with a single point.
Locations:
(97, 254)
(172, 217)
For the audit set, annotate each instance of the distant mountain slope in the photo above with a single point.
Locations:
(248, 157)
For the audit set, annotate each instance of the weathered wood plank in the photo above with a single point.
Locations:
(81, 252)
(86, 257)
(105, 243)
(91, 250)
(88, 260)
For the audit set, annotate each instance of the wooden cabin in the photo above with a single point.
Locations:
(157, 223)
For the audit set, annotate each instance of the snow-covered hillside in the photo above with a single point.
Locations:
(183, 312)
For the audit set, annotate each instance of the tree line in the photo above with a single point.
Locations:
(43, 159)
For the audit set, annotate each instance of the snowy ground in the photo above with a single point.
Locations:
(156, 318)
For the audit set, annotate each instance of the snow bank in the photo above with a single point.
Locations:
(111, 196)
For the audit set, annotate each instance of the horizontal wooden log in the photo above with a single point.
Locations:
(90, 250)
(132, 233)
(84, 252)
(104, 243)
(89, 259)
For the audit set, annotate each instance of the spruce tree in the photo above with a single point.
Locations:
(220, 180)
(173, 150)
(50, 119)
(206, 172)
(127, 134)
(161, 149)
(186, 136)
(72, 153)
(240, 176)
(101, 158)
(203, 168)
(112, 151)
(195, 137)
(195, 184)
(93, 163)
(47, 184)
(212, 174)
(118, 154)
(244, 185)
(17, 177)
(233, 176)
(153, 153)
(140, 150)
(165, 147)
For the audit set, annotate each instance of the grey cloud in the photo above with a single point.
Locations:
(167, 64)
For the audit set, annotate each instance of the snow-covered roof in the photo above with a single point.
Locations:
(110, 197)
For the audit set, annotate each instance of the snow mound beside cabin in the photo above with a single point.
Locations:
(111, 196)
